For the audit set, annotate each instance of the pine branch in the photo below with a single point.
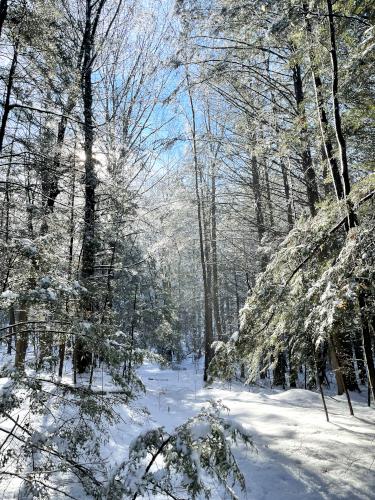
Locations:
(315, 250)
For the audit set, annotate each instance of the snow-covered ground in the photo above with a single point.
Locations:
(299, 455)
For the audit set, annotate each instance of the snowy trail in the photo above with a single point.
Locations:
(299, 455)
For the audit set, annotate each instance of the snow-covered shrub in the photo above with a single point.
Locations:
(182, 461)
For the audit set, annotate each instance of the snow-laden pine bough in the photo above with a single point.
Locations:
(181, 464)
(60, 454)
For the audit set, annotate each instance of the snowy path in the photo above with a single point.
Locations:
(300, 455)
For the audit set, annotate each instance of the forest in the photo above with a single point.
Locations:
(187, 249)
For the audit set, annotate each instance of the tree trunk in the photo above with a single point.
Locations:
(3, 13)
(223, 316)
(352, 218)
(132, 326)
(209, 284)
(366, 341)
(293, 371)
(329, 154)
(359, 359)
(8, 93)
(22, 337)
(279, 371)
(12, 319)
(208, 337)
(83, 357)
(62, 345)
(337, 371)
(257, 198)
(319, 384)
(327, 143)
(289, 202)
(269, 198)
(307, 165)
(215, 278)
(12, 330)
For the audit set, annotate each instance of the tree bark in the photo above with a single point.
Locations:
(290, 218)
(8, 93)
(269, 197)
(307, 165)
(215, 277)
(208, 336)
(337, 371)
(12, 329)
(341, 142)
(62, 345)
(3, 13)
(257, 198)
(366, 341)
(359, 359)
(329, 154)
(327, 143)
(279, 370)
(82, 356)
(22, 338)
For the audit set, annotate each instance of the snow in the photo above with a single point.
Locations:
(9, 295)
(200, 430)
(298, 454)
(234, 337)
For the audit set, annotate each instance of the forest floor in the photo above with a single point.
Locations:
(298, 454)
